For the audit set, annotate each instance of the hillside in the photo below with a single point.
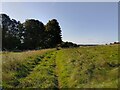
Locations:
(82, 67)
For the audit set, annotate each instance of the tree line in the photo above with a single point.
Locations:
(32, 34)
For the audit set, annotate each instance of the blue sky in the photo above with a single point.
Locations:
(82, 23)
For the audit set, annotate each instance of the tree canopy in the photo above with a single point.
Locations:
(53, 33)
(10, 33)
(32, 34)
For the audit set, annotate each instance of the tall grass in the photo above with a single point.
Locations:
(82, 67)
(88, 67)
(0, 69)
(18, 65)
(43, 75)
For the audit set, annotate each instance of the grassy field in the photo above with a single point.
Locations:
(83, 67)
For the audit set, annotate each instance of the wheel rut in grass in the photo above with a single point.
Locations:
(52, 57)
(23, 70)
(44, 74)
(56, 73)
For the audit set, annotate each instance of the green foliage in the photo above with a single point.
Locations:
(53, 34)
(82, 67)
(87, 67)
(30, 35)
(10, 33)
(68, 45)
(33, 36)
(43, 75)
(16, 66)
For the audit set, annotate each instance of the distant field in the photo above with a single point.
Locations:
(83, 67)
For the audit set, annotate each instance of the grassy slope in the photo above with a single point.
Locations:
(19, 65)
(43, 75)
(84, 67)
(0, 69)
(88, 67)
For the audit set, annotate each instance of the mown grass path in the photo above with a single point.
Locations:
(84, 67)
(16, 69)
(44, 74)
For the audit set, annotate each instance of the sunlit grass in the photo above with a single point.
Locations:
(82, 67)
(43, 75)
(16, 65)
(0, 69)
(88, 67)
